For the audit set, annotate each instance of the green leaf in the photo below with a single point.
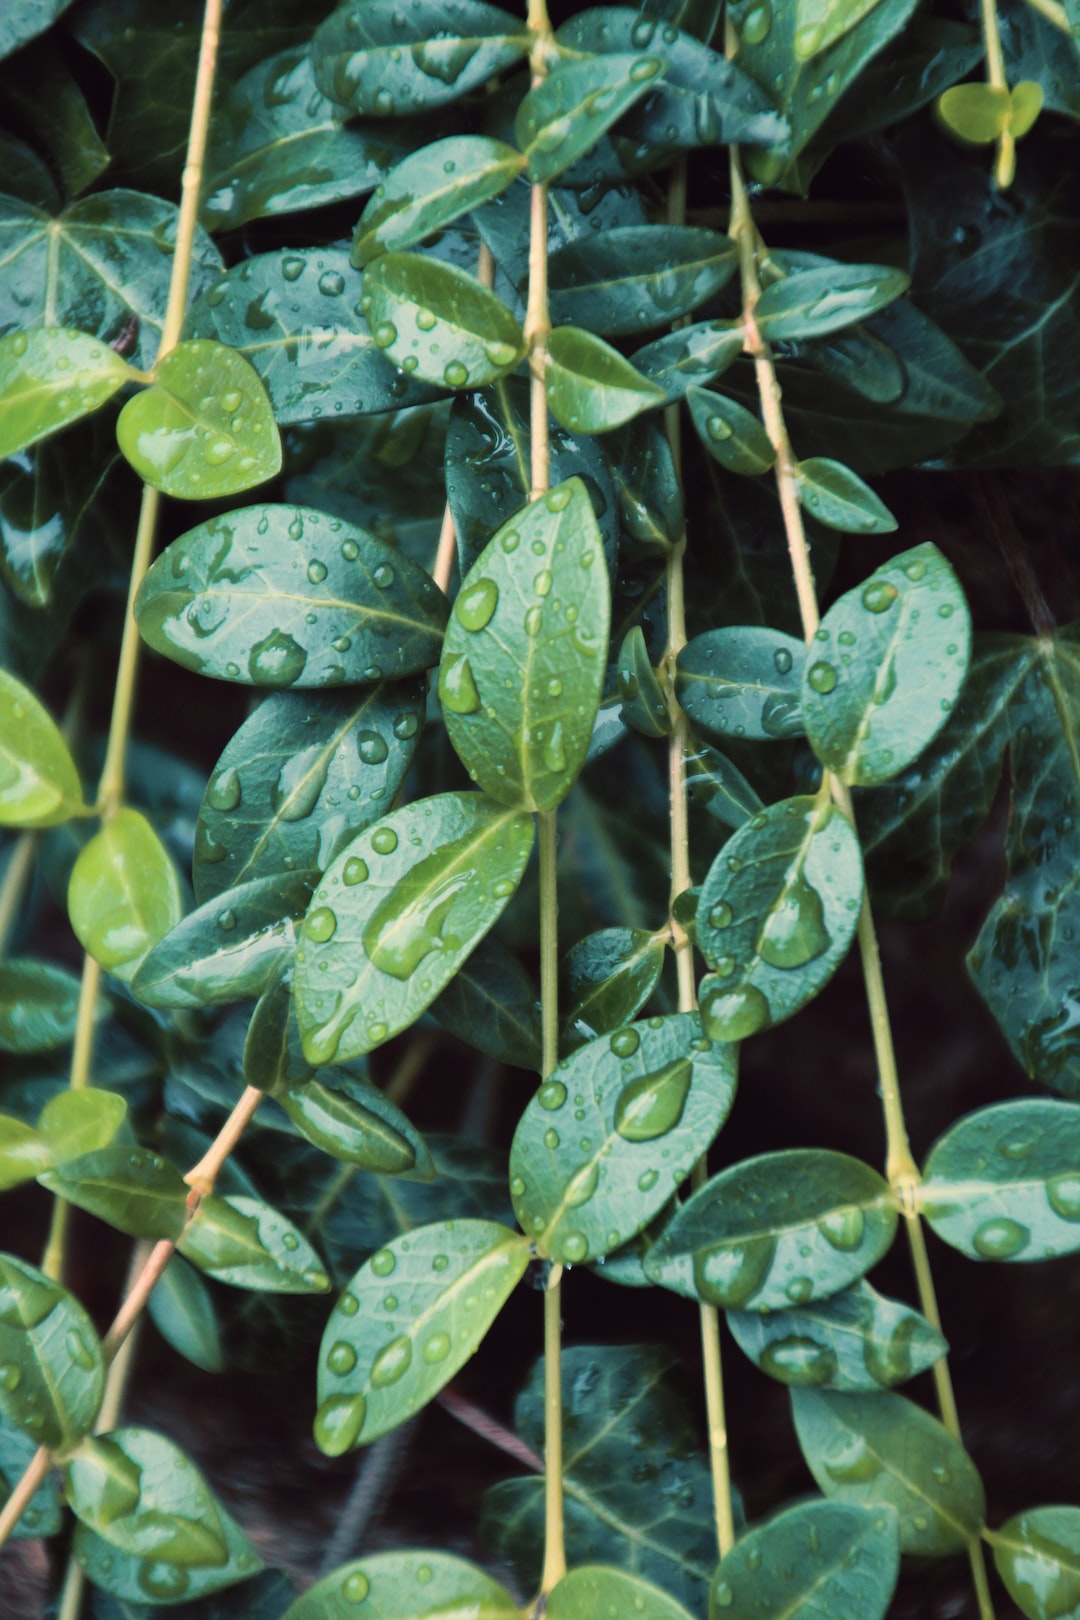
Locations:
(233, 598)
(491, 1003)
(246, 1243)
(438, 322)
(395, 64)
(183, 1313)
(742, 681)
(140, 1494)
(637, 1488)
(856, 1339)
(25, 19)
(523, 660)
(592, 1589)
(398, 1584)
(81, 1121)
(54, 514)
(101, 263)
(38, 1004)
(49, 378)
(590, 387)
(838, 498)
(820, 23)
(228, 949)
(397, 913)
(871, 1450)
(296, 317)
(638, 276)
(720, 788)
(39, 785)
(134, 1190)
(431, 188)
(690, 357)
(817, 1557)
(647, 486)
(52, 1370)
(582, 1187)
(1004, 1183)
(567, 112)
(812, 302)
(1025, 104)
(273, 1056)
(778, 910)
(299, 779)
(124, 893)
(433, 1294)
(1037, 1555)
(604, 981)
(644, 705)
(731, 434)
(278, 146)
(909, 632)
(42, 1517)
(23, 1153)
(977, 113)
(353, 1120)
(204, 428)
(779, 1230)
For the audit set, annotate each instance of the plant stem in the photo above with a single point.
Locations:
(901, 1169)
(554, 1540)
(1053, 12)
(1005, 167)
(20, 865)
(202, 1176)
(483, 1424)
(33, 1478)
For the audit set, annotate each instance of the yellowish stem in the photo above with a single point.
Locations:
(1005, 166)
(1053, 12)
(16, 874)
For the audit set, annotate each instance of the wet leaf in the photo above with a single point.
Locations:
(51, 377)
(204, 428)
(604, 981)
(820, 23)
(810, 303)
(492, 1004)
(871, 1450)
(690, 357)
(731, 434)
(590, 387)
(568, 111)
(228, 949)
(1004, 1183)
(582, 1187)
(648, 488)
(638, 276)
(124, 893)
(39, 785)
(1037, 1555)
(181, 1309)
(353, 1120)
(38, 1004)
(777, 913)
(81, 1121)
(720, 787)
(397, 913)
(857, 1339)
(430, 1297)
(273, 1056)
(431, 188)
(43, 1515)
(909, 635)
(23, 1152)
(246, 1243)
(439, 323)
(395, 1584)
(644, 704)
(54, 515)
(742, 681)
(140, 1494)
(523, 660)
(232, 599)
(51, 1370)
(750, 1227)
(395, 64)
(300, 778)
(838, 498)
(591, 1588)
(830, 1556)
(132, 1189)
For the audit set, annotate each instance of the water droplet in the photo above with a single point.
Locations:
(224, 790)
(625, 1042)
(161, 1581)
(808, 41)
(800, 1361)
(731, 1013)
(79, 1351)
(316, 572)
(794, 931)
(647, 1180)
(552, 1095)
(426, 319)
(849, 1460)
(355, 871)
(437, 1348)
(10, 1378)
(292, 268)
(455, 375)
(644, 70)
(385, 334)
(821, 677)
(392, 1362)
(721, 915)
(384, 840)
(338, 1423)
(321, 925)
(457, 686)
(510, 541)
(534, 618)
(383, 1263)
(383, 576)
(575, 1248)
(718, 428)
(722, 1595)
(406, 726)
(409, 924)
(551, 1138)
(355, 1587)
(1063, 1196)
(891, 1361)
(782, 660)
(371, 747)
(1000, 1239)
(476, 604)
(341, 1358)
(582, 1184)
(653, 1104)
(350, 550)
(843, 1228)
(879, 596)
(277, 660)
(756, 25)
(554, 753)
(542, 583)
(728, 1276)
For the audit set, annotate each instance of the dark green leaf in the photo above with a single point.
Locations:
(812, 302)
(731, 434)
(568, 111)
(53, 1373)
(429, 189)
(439, 323)
(124, 893)
(233, 599)
(690, 357)
(647, 485)
(435, 1293)
(722, 789)
(823, 1557)
(353, 1120)
(742, 682)
(38, 1003)
(245, 1242)
(273, 1056)
(183, 1313)
(604, 981)
(838, 498)
(644, 704)
(590, 387)
(49, 378)
(395, 1584)
(396, 915)
(52, 515)
(1037, 1555)
(140, 1494)
(25, 19)
(133, 1189)
(640, 276)
(492, 1004)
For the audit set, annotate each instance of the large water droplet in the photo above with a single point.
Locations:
(1063, 1196)
(383, 1263)
(850, 1461)
(392, 1362)
(821, 678)
(756, 25)
(800, 1361)
(457, 686)
(224, 790)
(341, 1358)
(890, 1361)
(552, 1094)
(625, 1042)
(574, 1248)
(794, 931)
(371, 747)
(338, 1423)
(409, 924)
(879, 596)
(321, 925)
(582, 1185)
(653, 1104)
(476, 604)
(277, 660)
(355, 1587)
(729, 1276)
(731, 1013)
(1000, 1239)
(843, 1228)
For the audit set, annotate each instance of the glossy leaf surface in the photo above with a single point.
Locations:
(38, 1003)
(39, 785)
(817, 1558)
(644, 703)
(590, 387)
(690, 357)
(838, 498)
(720, 787)
(133, 1189)
(637, 276)
(1037, 1555)
(397, 913)
(49, 378)
(566, 114)
(408, 1320)
(430, 188)
(604, 981)
(492, 1003)
(248, 1244)
(439, 323)
(405, 1586)
(53, 1373)
(353, 1120)
(81, 1121)
(811, 303)
(23, 1152)
(140, 1493)
(731, 434)
(124, 893)
(42, 1516)
(592, 1588)
(742, 682)
(181, 1309)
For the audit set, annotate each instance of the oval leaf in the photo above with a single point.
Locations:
(140, 1494)
(51, 1370)
(50, 377)
(690, 357)
(132, 1189)
(839, 499)
(742, 681)
(439, 323)
(605, 980)
(429, 189)
(38, 1005)
(492, 1004)
(402, 1585)
(820, 1558)
(731, 434)
(81, 1121)
(590, 387)
(183, 1313)
(123, 894)
(592, 1590)
(1037, 1555)
(811, 303)
(39, 785)
(637, 276)
(353, 1120)
(245, 1242)
(644, 705)
(568, 111)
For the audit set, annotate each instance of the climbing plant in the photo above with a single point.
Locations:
(487, 399)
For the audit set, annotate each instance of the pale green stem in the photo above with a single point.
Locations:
(1053, 12)
(996, 77)
(16, 873)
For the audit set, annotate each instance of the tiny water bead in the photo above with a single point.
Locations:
(338, 1423)
(624, 1043)
(341, 1358)
(321, 925)
(392, 1362)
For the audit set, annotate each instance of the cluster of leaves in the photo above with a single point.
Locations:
(349, 870)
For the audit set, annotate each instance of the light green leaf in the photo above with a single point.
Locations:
(523, 660)
(637, 276)
(351, 1119)
(51, 377)
(1025, 105)
(819, 1558)
(810, 303)
(183, 1313)
(906, 634)
(778, 910)
(132, 1189)
(38, 1005)
(568, 111)
(23, 1153)
(204, 428)
(977, 113)
(720, 788)
(592, 1589)
(439, 323)
(81, 1121)
(492, 1004)
(690, 357)
(654, 1095)
(871, 1450)
(1004, 1183)
(405, 1586)
(123, 894)
(856, 1339)
(779, 1230)
(140, 1494)
(820, 23)
(397, 913)
(39, 785)
(590, 387)
(396, 64)
(604, 981)
(431, 188)
(644, 704)
(246, 1243)
(1037, 1555)
(430, 1297)
(838, 498)
(731, 434)
(742, 681)
(52, 1370)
